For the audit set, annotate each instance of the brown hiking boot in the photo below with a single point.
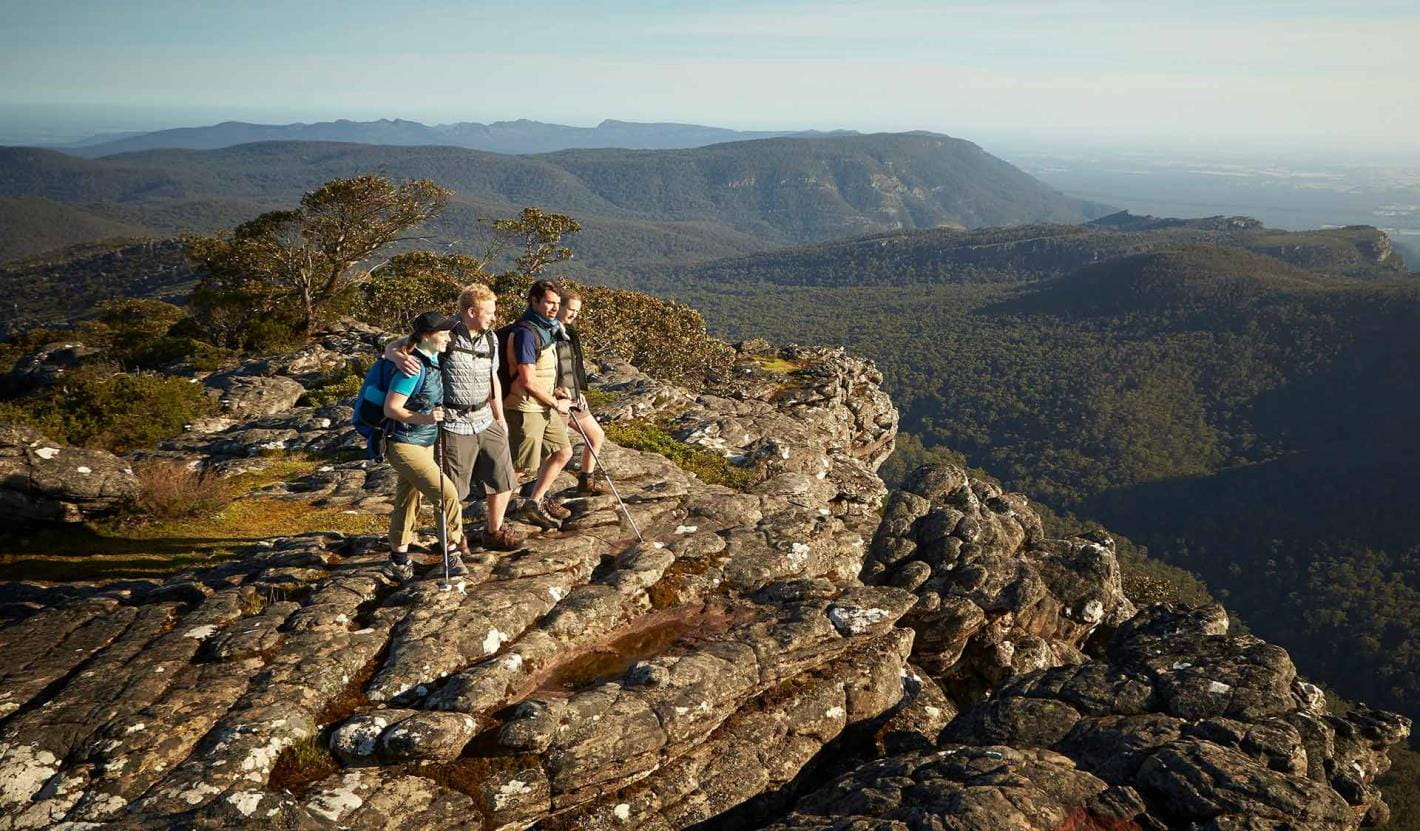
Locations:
(557, 512)
(534, 512)
(504, 539)
(587, 485)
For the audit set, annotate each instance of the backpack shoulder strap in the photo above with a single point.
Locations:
(386, 374)
(512, 330)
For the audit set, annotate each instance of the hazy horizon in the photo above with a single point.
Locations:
(1310, 77)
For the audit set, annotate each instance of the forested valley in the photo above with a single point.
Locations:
(1241, 401)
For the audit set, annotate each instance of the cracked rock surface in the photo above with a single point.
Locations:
(772, 655)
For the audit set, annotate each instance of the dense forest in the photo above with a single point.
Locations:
(1247, 417)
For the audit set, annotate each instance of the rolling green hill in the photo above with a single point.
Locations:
(639, 206)
(1034, 252)
(30, 225)
(1250, 418)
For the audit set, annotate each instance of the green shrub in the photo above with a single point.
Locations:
(414, 282)
(342, 386)
(97, 407)
(598, 398)
(713, 468)
(133, 333)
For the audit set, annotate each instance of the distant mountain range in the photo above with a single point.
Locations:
(518, 137)
(636, 206)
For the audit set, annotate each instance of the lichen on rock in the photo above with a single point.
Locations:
(942, 659)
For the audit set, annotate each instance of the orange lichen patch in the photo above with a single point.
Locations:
(671, 590)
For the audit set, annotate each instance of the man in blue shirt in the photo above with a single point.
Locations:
(537, 418)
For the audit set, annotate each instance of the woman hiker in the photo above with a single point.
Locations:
(572, 384)
(414, 405)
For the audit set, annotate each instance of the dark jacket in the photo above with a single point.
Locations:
(571, 363)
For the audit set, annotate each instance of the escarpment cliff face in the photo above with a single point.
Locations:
(773, 654)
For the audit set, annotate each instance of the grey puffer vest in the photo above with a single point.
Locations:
(467, 366)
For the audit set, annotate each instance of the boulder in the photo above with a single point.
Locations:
(42, 480)
(46, 365)
(245, 396)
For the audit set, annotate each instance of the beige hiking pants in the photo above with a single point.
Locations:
(419, 476)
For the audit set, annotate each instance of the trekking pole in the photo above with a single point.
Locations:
(602, 468)
(443, 520)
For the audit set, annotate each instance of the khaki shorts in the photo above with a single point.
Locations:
(481, 457)
(534, 434)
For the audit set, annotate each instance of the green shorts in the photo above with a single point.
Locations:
(531, 434)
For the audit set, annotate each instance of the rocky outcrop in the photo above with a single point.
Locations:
(46, 365)
(269, 388)
(1205, 726)
(41, 480)
(994, 788)
(995, 598)
(1177, 725)
(753, 645)
(587, 677)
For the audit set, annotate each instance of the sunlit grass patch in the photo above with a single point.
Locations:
(710, 466)
(302, 764)
(779, 365)
(598, 398)
(190, 531)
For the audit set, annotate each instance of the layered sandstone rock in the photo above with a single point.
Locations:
(759, 641)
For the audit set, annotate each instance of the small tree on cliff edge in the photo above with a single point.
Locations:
(309, 256)
(539, 235)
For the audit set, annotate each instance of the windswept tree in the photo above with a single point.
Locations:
(413, 282)
(299, 261)
(540, 237)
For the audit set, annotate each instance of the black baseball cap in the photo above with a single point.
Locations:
(434, 322)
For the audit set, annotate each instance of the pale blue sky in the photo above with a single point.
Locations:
(1289, 75)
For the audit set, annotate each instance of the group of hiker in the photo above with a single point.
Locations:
(457, 405)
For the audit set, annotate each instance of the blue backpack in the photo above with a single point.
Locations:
(369, 418)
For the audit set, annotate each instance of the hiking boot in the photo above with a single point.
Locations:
(534, 512)
(555, 509)
(587, 485)
(504, 539)
(399, 568)
(456, 566)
